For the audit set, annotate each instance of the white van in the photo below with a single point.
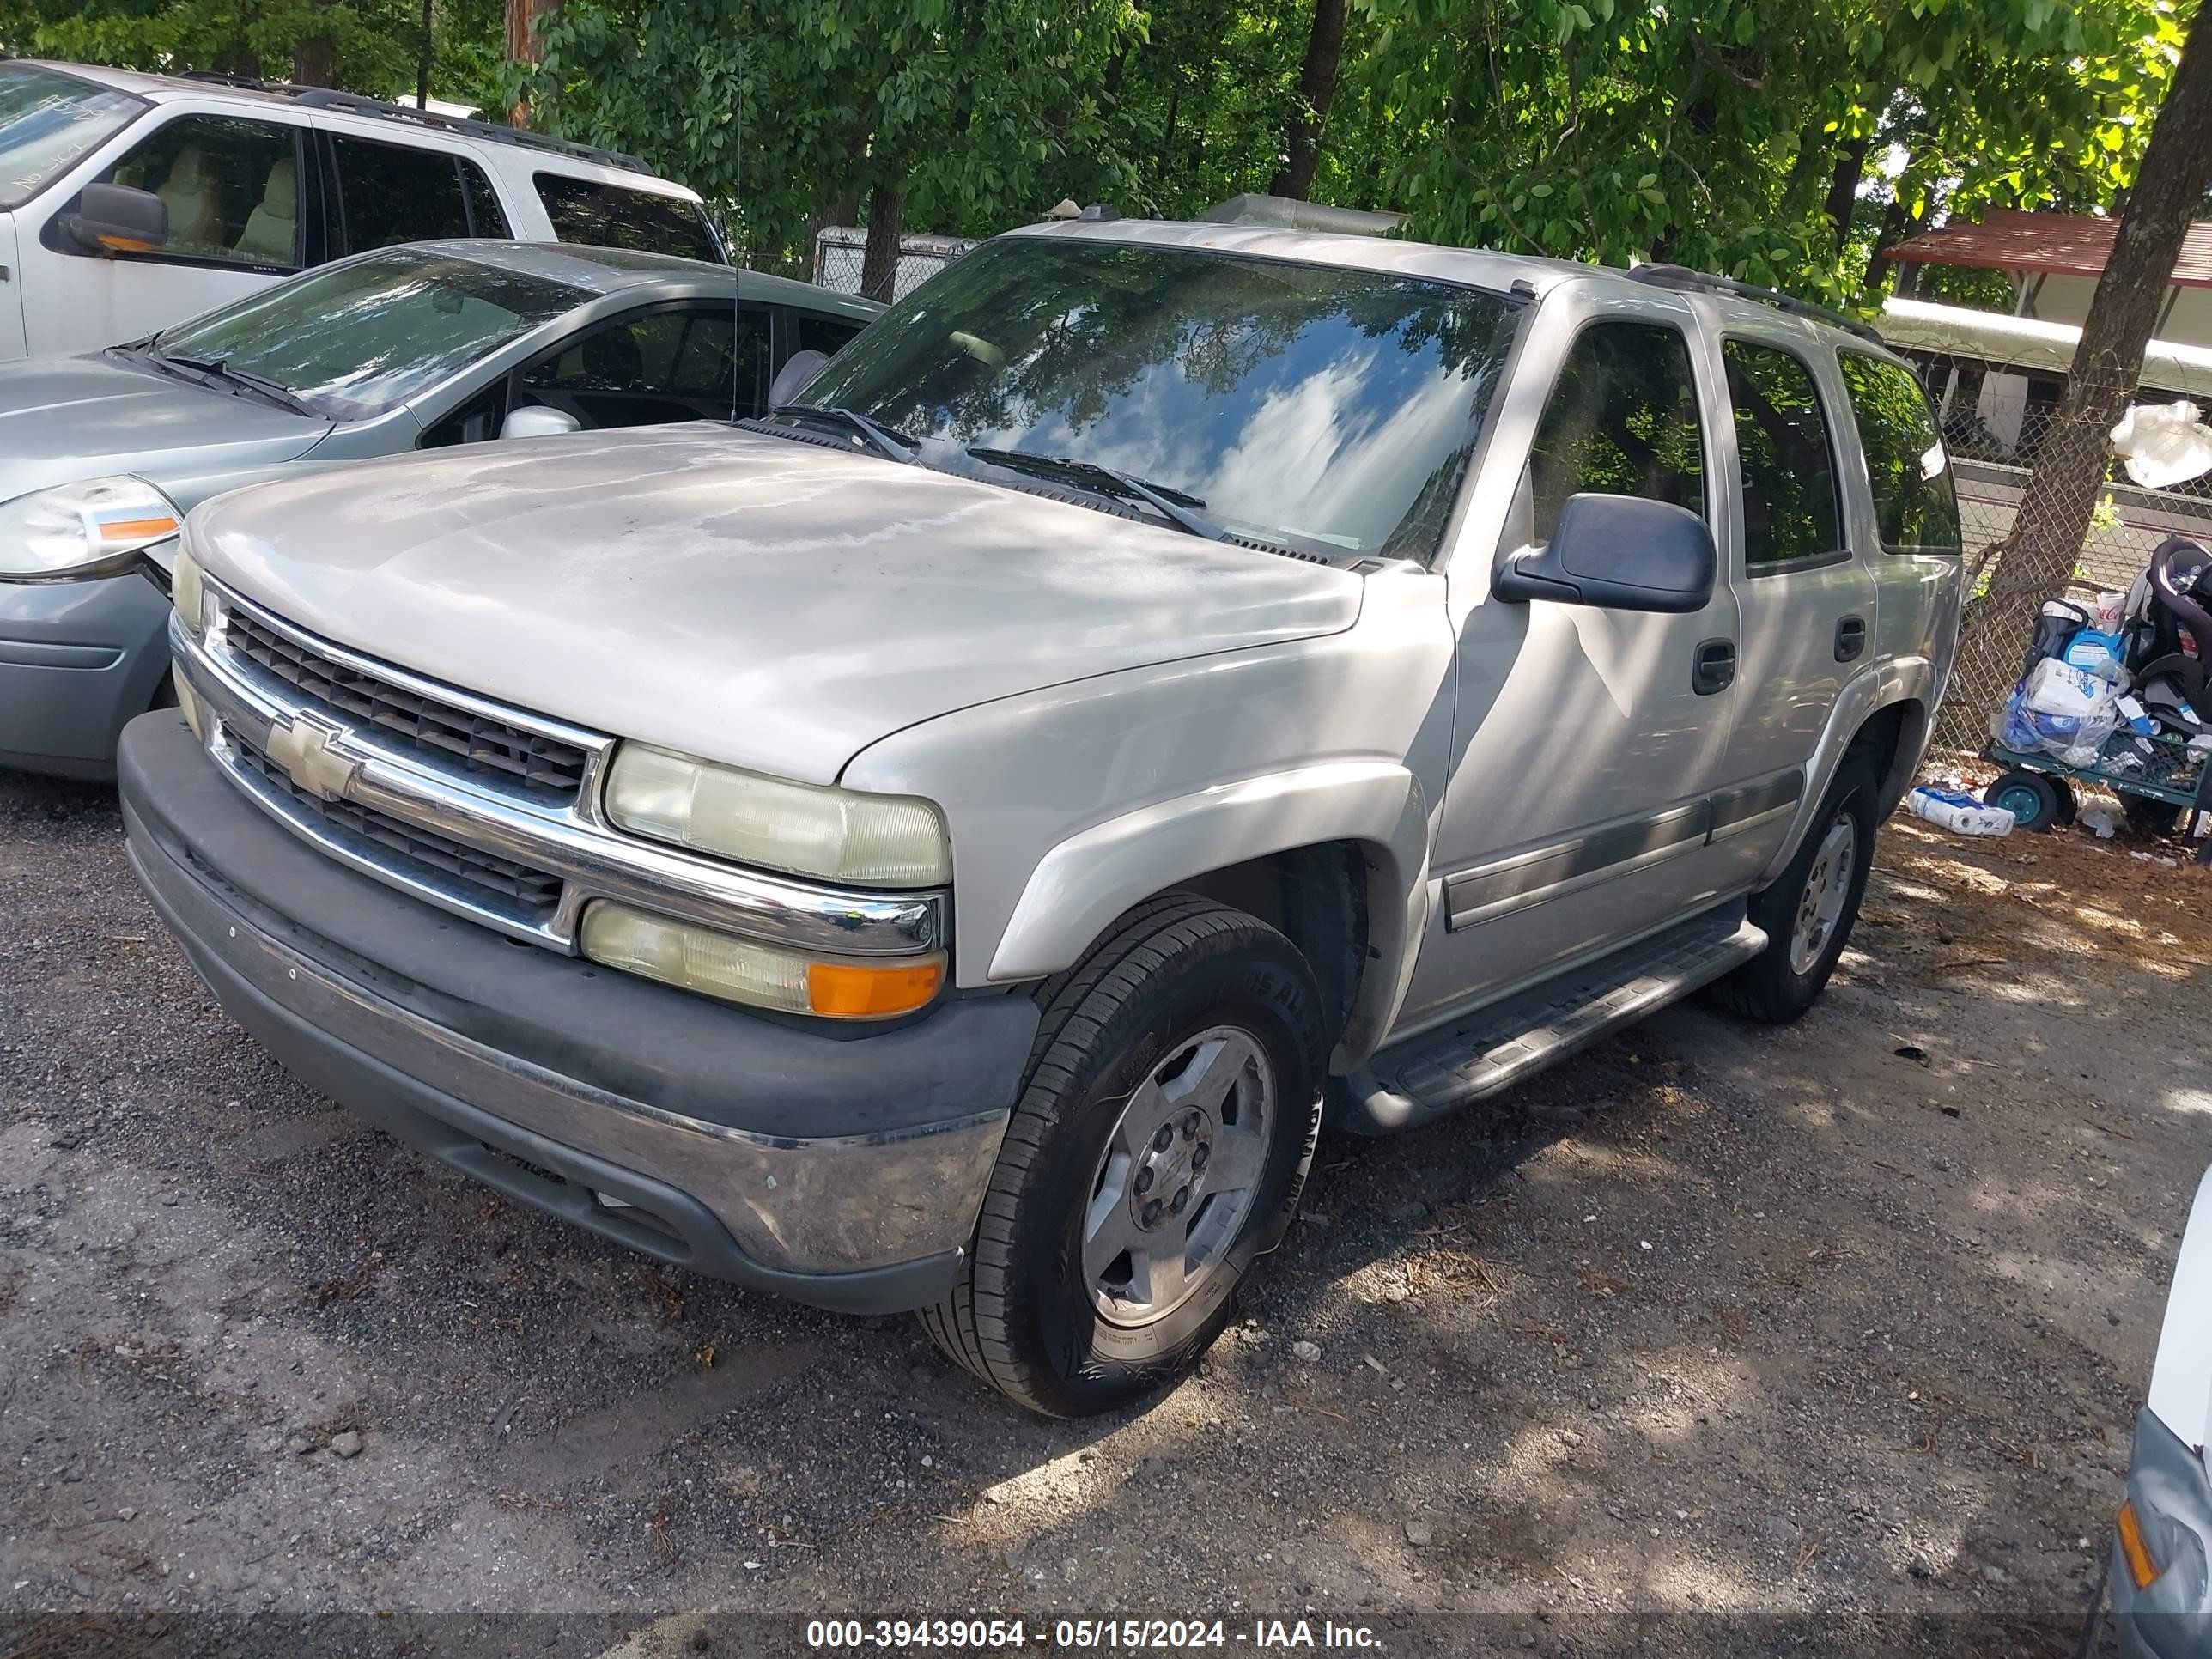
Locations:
(233, 185)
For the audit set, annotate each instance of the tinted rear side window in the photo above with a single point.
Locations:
(1915, 509)
(393, 193)
(823, 334)
(1622, 421)
(610, 216)
(1782, 444)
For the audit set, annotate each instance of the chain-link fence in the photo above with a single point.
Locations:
(1995, 421)
(840, 250)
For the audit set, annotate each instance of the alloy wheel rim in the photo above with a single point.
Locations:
(1178, 1176)
(1827, 885)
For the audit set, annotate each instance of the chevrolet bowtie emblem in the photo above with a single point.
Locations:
(310, 753)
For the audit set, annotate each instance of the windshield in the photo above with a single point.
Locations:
(48, 120)
(1324, 408)
(355, 340)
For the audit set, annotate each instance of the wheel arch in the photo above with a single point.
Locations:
(1334, 856)
(1887, 713)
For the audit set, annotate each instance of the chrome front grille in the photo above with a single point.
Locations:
(528, 894)
(483, 809)
(447, 732)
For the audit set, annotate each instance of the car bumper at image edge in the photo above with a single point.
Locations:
(386, 1006)
(2168, 1486)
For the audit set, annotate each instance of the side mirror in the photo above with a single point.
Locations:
(790, 379)
(536, 421)
(111, 219)
(1621, 552)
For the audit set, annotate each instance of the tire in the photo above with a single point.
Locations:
(2070, 803)
(1781, 982)
(2152, 820)
(2032, 799)
(1122, 1036)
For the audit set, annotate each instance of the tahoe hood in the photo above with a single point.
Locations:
(748, 599)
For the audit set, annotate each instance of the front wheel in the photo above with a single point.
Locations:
(1809, 912)
(1158, 1152)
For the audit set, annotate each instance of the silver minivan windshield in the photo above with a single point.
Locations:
(353, 340)
(47, 120)
(1321, 407)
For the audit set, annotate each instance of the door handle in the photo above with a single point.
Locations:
(1716, 667)
(1850, 638)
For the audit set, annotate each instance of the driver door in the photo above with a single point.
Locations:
(1587, 741)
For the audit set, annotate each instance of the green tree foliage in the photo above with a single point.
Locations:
(372, 46)
(1786, 144)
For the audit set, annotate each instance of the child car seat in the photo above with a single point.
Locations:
(189, 193)
(2167, 628)
(268, 237)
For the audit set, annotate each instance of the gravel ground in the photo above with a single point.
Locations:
(1717, 1339)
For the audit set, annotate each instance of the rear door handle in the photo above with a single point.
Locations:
(1850, 638)
(1716, 668)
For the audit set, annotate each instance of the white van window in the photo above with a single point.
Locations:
(231, 186)
(610, 216)
(48, 120)
(397, 193)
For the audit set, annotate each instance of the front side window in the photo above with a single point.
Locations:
(231, 186)
(357, 339)
(602, 215)
(47, 121)
(1329, 409)
(665, 366)
(1622, 421)
(1790, 510)
(1915, 507)
(390, 193)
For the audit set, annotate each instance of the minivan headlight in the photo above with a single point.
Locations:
(839, 834)
(82, 529)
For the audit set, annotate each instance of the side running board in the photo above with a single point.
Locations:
(1422, 1078)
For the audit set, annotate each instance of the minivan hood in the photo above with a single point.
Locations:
(745, 597)
(66, 418)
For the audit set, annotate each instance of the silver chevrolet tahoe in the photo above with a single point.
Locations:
(950, 844)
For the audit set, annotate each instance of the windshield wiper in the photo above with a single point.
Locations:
(892, 446)
(219, 369)
(1107, 481)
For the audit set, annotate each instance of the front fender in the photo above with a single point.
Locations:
(1085, 881)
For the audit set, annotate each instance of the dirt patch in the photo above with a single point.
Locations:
(1720, 1339)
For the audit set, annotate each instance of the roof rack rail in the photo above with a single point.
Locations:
(354, 103)
(1683, 279)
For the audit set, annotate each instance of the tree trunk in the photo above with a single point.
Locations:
(422, 61)
(315, 58)
(879, 260)
(1844, 188)
(524, 44)
(1317, 89)
(2040, 555)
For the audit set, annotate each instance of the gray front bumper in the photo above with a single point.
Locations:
(558, 1082)
(76, 660)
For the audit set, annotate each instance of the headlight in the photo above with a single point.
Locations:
(870, 841)
(187, 592)
(719, 964)
(82, 529)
